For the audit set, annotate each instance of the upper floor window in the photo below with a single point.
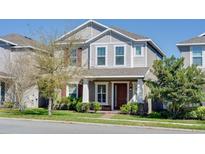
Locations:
(119, 55)
(72, 90)
(101, 56)
(73, 57)
(197, 55)
(138, 50)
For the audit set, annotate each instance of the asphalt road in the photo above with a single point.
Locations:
(13, 126)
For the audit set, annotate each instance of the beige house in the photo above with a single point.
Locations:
(10, 47)
(117, 62)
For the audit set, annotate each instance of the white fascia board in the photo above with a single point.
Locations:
(184, 44)
(3, 40)
(126, 76)
(78, 27)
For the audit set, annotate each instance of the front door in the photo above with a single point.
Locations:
(120, 95)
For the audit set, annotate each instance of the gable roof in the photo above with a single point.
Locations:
(197, 40)
(129, 35)
(80, 26)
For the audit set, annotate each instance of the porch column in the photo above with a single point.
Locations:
(85, 91)
(140, 91)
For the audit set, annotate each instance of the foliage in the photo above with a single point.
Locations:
(156, 115)
(191, 115)
(96, 106)
(134, 108)
(200, 112)
(126, 108)
(8, 104)
(176, 86)
(82, 107)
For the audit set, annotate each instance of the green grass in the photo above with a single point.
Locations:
(118, 119)
(140, 118)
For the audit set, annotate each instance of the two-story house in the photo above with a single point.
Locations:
(193, 51)
(117, 62)
(11, 46)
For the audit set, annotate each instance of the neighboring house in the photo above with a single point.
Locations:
(117, 62)
(10, 47)
(193, 51)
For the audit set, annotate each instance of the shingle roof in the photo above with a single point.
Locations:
(132, 35)
(110, 72)
(20, 40)
(197, 39)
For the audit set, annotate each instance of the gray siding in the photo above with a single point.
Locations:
(186, 53)
(4, 59)
(87, 32)
(110, 40)
(152, 55)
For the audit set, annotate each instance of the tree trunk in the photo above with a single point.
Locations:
(50, 107)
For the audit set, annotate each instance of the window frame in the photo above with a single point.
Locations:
(192, 56)
(96, 55)
(68, 89)
(72, 57)
(142, 50)
(106, 93)
(115, 46)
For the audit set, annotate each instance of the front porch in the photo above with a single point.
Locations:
(113, 93)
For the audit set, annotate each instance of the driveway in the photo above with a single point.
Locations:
(14, 126)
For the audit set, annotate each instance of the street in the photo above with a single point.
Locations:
(14, 126)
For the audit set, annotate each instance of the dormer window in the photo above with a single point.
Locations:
(197, 55)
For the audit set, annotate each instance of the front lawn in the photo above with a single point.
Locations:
(117, 119)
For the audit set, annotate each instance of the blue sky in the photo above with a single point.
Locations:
(166, 33)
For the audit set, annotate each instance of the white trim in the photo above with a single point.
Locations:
(96, 56)
(131, 54)
(3, 40)
(106, 43)
(203, 54)
(112, 99)
(125, 76)
(203, 34)
(187, 44)
(101, 83)
(115, 56)
(146, 50)
(80, 26)
(142, 45)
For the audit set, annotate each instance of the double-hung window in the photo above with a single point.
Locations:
(101, 93)
(101, 56)
(138, 50)
(119, 55)
(72, 90)
(73, 57)
(197, 55)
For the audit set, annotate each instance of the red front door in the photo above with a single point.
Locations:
(120, 94)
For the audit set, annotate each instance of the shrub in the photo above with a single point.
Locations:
(191, 115)
(73, 102)
(156, 115)
(8, 104)
(96, 106)
(134, 108)
(82, 107)
(200, 112)
(126, 108)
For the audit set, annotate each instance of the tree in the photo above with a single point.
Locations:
(54, 67)
(176, 86)
(21, 72)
